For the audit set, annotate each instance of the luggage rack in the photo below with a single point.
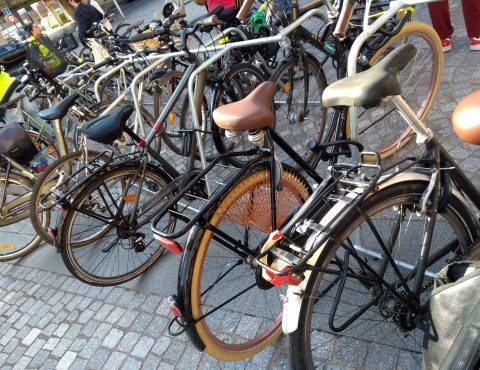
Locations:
(186, 199)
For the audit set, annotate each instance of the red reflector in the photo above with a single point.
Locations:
(51, 232)
(173, 306)
(277, 280)
(276, 235)
(171, 245)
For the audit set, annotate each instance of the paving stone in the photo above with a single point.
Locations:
(161, 345)
(61, 330)
(166, 366)
(22, 363)
(85, 316)
(190, 359)
(31, 336)
(51, 344)
(260, 360)
(350, 352)
(78, 364)
(208, 363)
(174, 351)
(157, 326)
(49, 364)
(150, 304)
(102, 331)
(17, 353)
(35, 347)
(115, 314)
(102, 314)
(141, 322)
(104, 292)
(116, 360)
(78, 344)
(73, 331)
(66, 360)
(75, 301)
(12, 344)
(114, 295)
(62, 347)
(127, 318)
(129, 341)
(131, 364)
(73, 316)
(126, 299)
(98, 358)
(7, 336)
(50, 329)
(85, 302)
(90, 328)
(143, 346)
(45, 320)
(381, 357)
(113, 338)
(90, 348)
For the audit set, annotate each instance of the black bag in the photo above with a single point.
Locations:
(453, 340)
(43, 55)
(16, 143)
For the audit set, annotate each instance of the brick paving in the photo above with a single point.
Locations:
(50, 320)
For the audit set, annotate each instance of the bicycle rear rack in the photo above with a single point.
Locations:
(350, 187)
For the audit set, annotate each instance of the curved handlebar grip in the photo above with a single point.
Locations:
(209, 21)
(106, 62)
(242, 13)
(142, 36)
(340, 31)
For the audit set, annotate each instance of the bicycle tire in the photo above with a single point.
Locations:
(228, 333)
(46, 181)
(379, 331)
(383, 130)
(115, 256)
(17, 235)
(178, 118)
(296, 128)
(239, 81)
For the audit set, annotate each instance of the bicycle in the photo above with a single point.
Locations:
(301, 79)
(361, 256)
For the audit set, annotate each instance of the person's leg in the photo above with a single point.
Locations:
(471, 13)
(440, 16)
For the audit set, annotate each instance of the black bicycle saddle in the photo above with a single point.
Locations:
(58, 111)
(108, 128)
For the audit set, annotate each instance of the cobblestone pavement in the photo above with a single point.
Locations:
(50, 320)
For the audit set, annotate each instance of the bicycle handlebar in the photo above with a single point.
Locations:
(246, 6)
(348, 7)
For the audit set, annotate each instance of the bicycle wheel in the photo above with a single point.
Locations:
(115, 85)
(382, 129)
(58, 176)
(220, 272)
(17, 236)
(100, 243)
(240, 80)
(179, 117)
(388, 334)
(300, 114)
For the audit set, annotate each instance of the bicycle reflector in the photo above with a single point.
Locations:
(173, 306)
(170, 244)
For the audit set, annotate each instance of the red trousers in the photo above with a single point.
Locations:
(440, 15)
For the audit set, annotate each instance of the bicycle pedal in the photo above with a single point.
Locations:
(170, 244)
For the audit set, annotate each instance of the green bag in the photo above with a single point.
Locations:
(453, 339)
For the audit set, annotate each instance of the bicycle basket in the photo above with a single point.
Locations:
(16, 143)
(43, 55)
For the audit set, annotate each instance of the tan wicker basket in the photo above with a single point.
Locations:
(150, 43)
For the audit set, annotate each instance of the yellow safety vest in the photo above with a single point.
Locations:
(5, 82)
(50, 60)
